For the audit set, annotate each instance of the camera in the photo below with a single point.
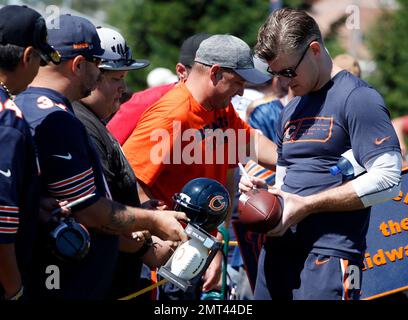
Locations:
(70, 240)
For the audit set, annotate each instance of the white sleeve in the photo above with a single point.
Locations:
(382, 181)
(280, 174)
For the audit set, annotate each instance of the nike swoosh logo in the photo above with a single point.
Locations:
(379, 141)
(7, 173)
(67, 157)
(319, 262)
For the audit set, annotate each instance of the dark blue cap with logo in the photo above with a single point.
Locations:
(22, 26)
(77, 36)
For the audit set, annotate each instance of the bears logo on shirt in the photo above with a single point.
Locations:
(309, 129)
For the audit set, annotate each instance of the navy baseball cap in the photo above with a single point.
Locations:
(78, 36)
(189, 48)
(24, 27)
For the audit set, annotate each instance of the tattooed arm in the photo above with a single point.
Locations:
(115, 218)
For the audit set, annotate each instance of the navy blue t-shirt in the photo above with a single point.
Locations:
(314, 130)
(70, 169)
(19, 196)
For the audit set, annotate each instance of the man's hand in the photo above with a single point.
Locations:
(47, 205)
(246, 185)
(15, 295)
(212, 277)
(10, 278)
(132, 243)
(166, 225)
(154, 204)
(159, 253)
(294, 211)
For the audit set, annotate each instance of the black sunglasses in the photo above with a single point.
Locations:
(94, 60)
(290, 72)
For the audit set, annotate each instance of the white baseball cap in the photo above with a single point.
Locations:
(113, 41)
(160, 76)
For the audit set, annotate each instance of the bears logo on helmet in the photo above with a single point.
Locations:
(217, 203)
(205, 202)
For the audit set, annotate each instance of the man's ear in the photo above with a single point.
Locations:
(215, 73)
(77, 63)
(28, 55)
(181, 71)
(316, 47)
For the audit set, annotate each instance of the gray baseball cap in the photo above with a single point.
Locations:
(230, 52)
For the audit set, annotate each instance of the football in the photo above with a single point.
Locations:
(259, 210)
(189, 259)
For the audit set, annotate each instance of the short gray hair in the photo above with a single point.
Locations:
(286, 31)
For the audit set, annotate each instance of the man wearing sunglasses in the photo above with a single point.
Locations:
(320, 241)
(93, 111)
(23, 46)
(199, 109)
(71, 169)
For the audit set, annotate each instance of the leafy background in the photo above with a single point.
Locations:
(155, 30)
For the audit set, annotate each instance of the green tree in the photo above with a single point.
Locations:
(155, 29)
(301, 4)
(388, 42)
(331, 39)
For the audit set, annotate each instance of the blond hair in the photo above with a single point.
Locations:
(349, 63)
